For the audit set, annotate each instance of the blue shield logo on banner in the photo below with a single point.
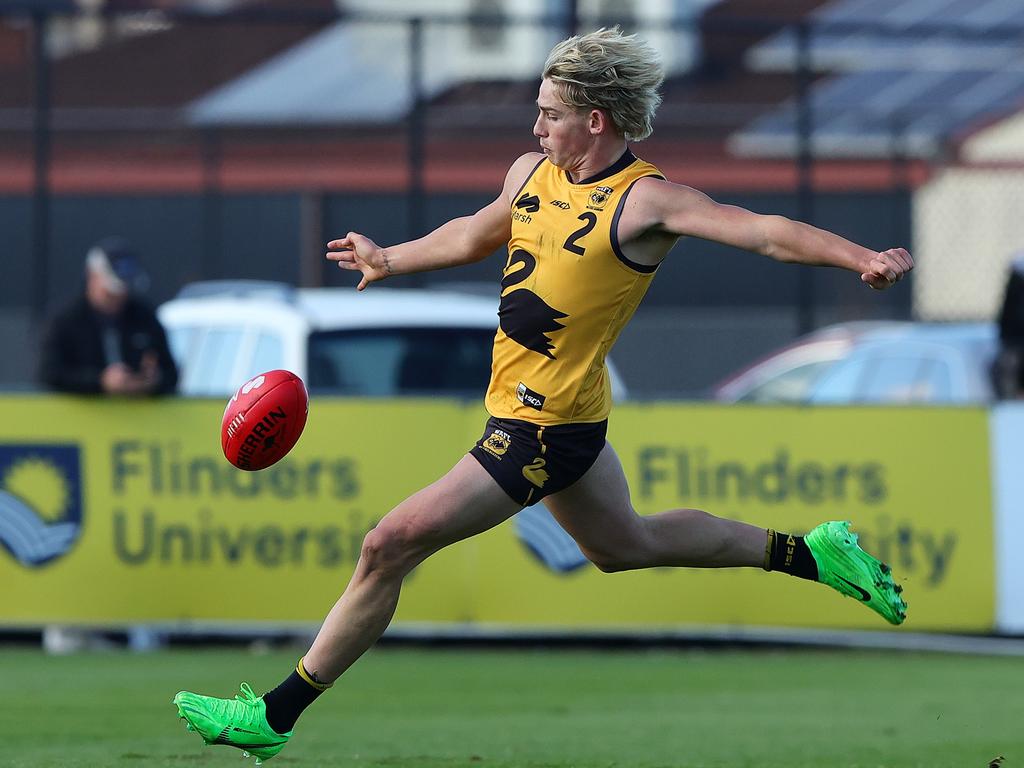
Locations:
(546, 540)
(40, 501)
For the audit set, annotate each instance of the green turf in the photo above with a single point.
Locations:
(533, 709)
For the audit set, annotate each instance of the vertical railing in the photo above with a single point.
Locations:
(805, 170)
(40, 166)
(416, 125)
(211, 204)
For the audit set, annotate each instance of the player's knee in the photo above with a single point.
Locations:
(610, 561)
(383, 551)
(630, 549)
(393, 546)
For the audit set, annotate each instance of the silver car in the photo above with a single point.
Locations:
(874, 362)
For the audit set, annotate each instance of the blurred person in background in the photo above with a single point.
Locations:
(1009, 364)
(109, 341)
(586, 224)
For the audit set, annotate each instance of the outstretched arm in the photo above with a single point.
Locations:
(684, 211)
(463, 240)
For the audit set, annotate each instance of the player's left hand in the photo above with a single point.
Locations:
(356, 251)
(888, 268)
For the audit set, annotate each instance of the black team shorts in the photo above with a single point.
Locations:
(530, 462)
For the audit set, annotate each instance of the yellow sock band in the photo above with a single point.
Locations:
(301, 669)
(769, 545)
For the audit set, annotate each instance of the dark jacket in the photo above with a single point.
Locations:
(1011, 316)
(72, 354)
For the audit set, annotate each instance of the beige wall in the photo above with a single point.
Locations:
(968, 223)
(1003, 142)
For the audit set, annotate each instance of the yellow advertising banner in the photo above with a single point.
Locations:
(128, 511)
(915, 483)
(122, 512)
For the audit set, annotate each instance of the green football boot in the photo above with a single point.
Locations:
(240, 722)
(848, 569)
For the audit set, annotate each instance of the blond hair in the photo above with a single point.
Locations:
(612, 71)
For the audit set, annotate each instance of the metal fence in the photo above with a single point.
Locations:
(233, 143)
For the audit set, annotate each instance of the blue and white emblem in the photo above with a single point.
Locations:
(40, 501)
(546, 540)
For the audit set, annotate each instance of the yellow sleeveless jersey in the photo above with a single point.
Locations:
(566, 293)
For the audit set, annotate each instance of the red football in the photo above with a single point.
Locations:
(264, 420)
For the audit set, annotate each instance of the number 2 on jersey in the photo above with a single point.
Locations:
(589, 220)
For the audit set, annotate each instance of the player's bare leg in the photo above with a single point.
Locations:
(597, 512)
(463, 503)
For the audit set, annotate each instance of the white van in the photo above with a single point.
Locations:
(383, 342)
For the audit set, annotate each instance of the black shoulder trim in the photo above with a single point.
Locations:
(627, 159)
(527, 181)
(615, 229)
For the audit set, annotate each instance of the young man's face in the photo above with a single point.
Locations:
(564, 132)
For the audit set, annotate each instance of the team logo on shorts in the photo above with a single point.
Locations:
(598, 198)
(40, 501)
(535, 472)
(497, 443)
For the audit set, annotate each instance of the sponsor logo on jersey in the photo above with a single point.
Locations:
(599, 197)
(524, 206)
(529, 203)
(529, 398)
(560, 204)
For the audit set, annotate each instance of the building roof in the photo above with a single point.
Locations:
(907, 77)
(144, 60)
(338, 75)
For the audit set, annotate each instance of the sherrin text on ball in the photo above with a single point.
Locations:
(264, 419)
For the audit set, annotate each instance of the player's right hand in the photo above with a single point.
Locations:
(888, 268)
(355, 251)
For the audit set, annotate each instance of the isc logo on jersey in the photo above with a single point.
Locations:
(40, 501)
(529, 398)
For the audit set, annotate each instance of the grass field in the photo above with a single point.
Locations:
(533, 709)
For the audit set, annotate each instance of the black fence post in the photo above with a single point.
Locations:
(212, 203)
(41, 191)
(572, 17)
(312, 240)
(805, 169)
(416, 126)
(900, 227)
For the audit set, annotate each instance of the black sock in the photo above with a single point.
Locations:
(789, 554)
(286, 702)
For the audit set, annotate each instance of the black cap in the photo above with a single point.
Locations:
(118, 263)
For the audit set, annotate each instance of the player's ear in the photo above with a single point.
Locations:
(599, 121)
